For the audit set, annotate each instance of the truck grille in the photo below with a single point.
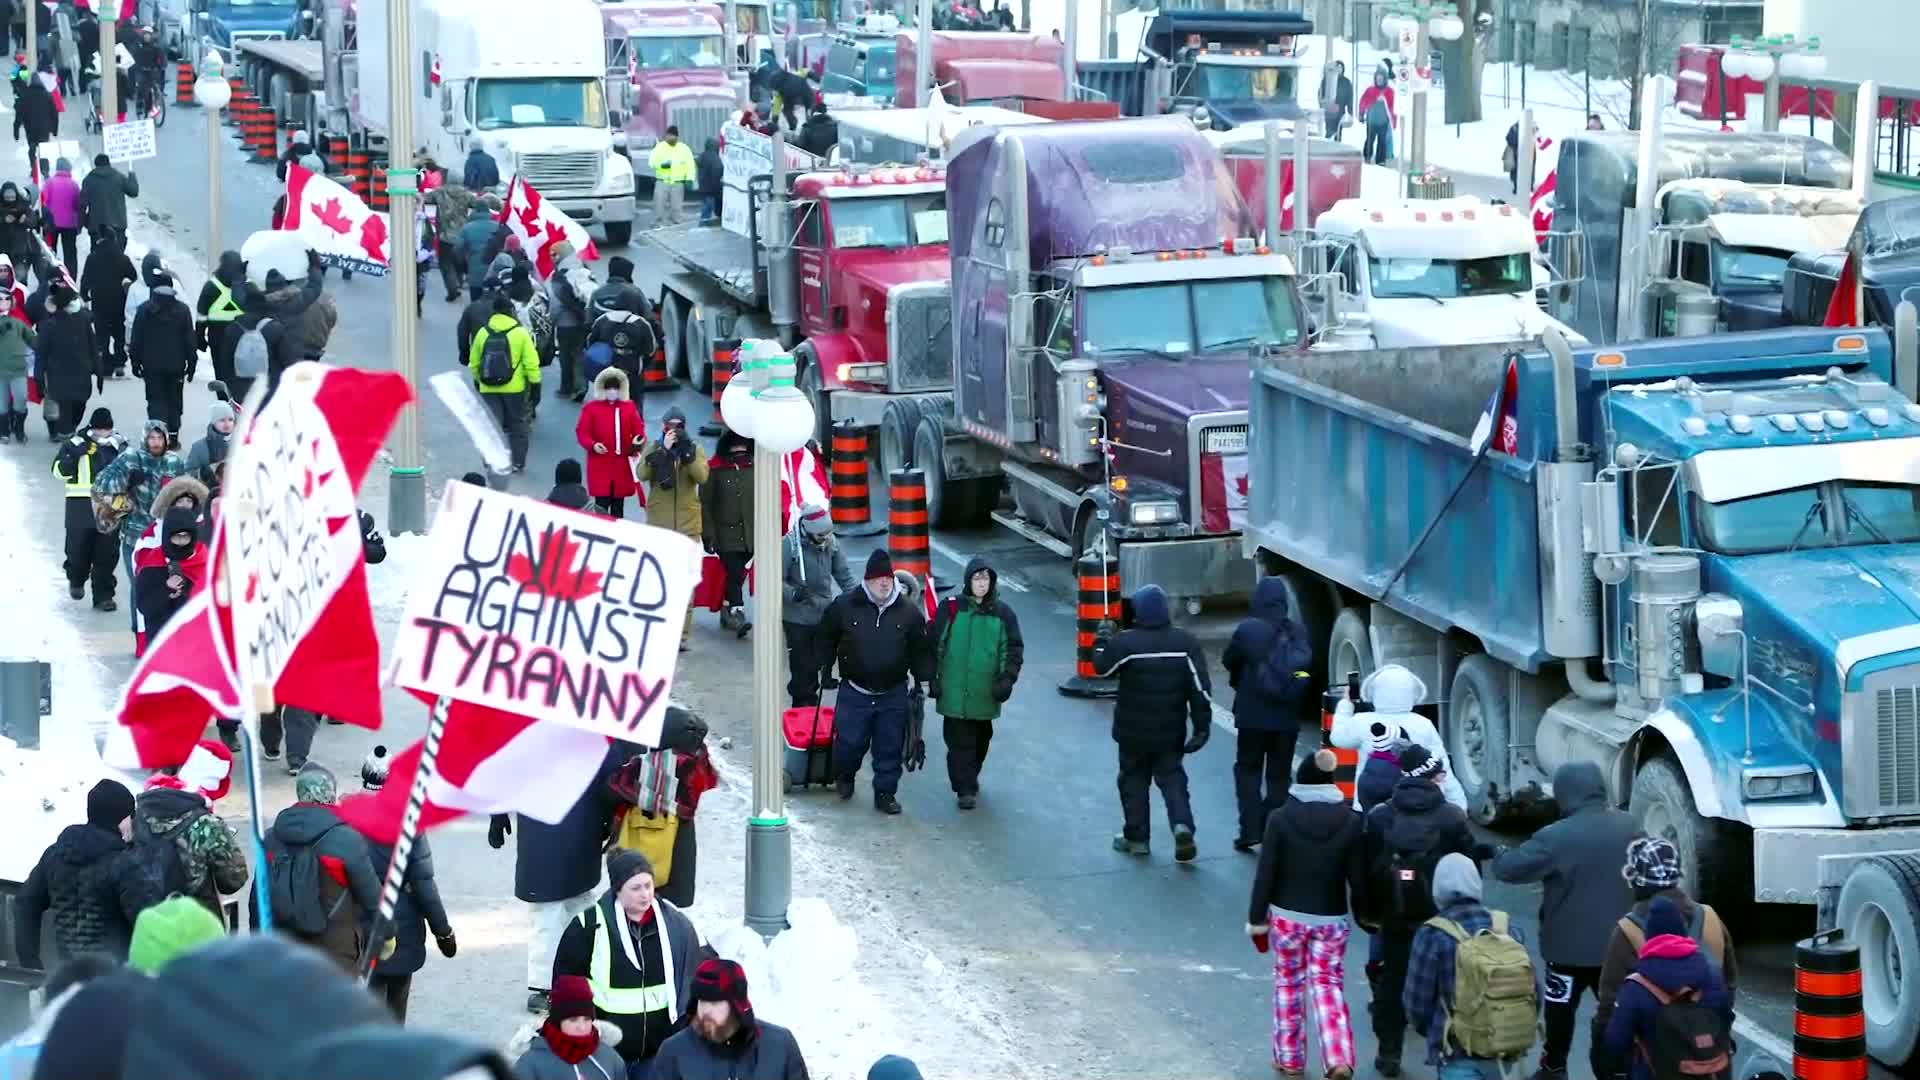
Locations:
(1896, 735)
(698, 121)
(919, 337)
(568, 170)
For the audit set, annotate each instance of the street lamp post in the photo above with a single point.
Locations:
(407, 483)
(1767, 60)
(1427, 21)
(213, 94)
(761, 403)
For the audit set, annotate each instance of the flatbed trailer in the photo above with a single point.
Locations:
(727, 260)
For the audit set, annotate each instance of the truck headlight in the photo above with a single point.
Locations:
(1790, 782)
(617, 175)
(1158, 512)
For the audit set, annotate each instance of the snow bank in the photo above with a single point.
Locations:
(41, 628)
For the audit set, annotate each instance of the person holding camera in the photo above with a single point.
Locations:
(675, 468)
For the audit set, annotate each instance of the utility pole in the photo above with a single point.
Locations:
(407, 487)
(1645, 63)
(109, 67)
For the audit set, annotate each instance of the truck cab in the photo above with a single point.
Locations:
(983, 67)
(218, 24)
(1433, 271)
(1731, 242)
(664, 69)
(862, 63)
(1222, 68)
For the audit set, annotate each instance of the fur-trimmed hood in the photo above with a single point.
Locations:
(176, 488)
(523, 1039)
(613, 376)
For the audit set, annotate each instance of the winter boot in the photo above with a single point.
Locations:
(1129, 847)
(20, 427)
(742, 626)
(729, 620)
(1183, 846)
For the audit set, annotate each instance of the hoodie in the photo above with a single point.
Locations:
(977, 649)
(813, 571)
(726, 498)
(1394, 691)
(1673, 962)
(1253, 640)
(568, 491)
(1428, 992)
(1420, 826)
(349, 882)
(95, 887)
(18, 222)
(103, 283)
(161, 344)
(1163, 679)
(1577, 860)
(1312, 858)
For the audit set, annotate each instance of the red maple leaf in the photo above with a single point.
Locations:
(552, 572)
(306, 484)
(1242, 484)
(373, 238)
(330, 215)
(555, 234)
(530, 219)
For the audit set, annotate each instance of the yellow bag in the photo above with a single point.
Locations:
(652, 837)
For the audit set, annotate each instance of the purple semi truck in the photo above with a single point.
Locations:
(1107, 301)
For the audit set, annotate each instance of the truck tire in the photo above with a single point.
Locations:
(673, 319)
(619, 233)
(1349, 648)
(1088, 530)
(699, 350)
(1712, 852)
(896, 440)
(813, 384)
(1879, 911)
(946, 505)
(1477, 735)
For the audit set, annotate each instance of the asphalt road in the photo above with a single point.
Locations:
(1106, 966)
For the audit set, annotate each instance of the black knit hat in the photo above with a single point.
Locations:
(879, 564)
(102, 419)
(619, 268)
(566, 472)
(623, 864)
(1416, 760)
(1316, 768)
(109, 804)
(88, 1038)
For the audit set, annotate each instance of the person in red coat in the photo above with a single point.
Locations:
(611, 430)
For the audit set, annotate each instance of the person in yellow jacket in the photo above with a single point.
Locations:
(506, 371)
(672, 166)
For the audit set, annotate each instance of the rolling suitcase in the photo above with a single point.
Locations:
(809, 756)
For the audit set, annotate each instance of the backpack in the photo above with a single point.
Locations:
(1282, 674)
(1704, 927)
(1494, 997)
(162, 851)
(251, 353)
(597, 358)
(293, 875)
(1690, 1041)
(496, 358)
(1409, 880)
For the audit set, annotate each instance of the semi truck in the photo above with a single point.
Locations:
(665, 68)
(218, 25)
(982, 67)
(530, 93)
(1885, 252)
(1690, 562)
(1223, 68)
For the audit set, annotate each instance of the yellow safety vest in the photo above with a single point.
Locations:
(81, 486)
(619, 1000)
(223, 309)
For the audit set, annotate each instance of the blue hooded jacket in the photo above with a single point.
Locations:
(1673, 962)
(1252, 641)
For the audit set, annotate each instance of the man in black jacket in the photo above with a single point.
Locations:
(90, 552)
(91, 880)
(103, 285)
(611, 312)
(218, 307)
(161, 348)
(1267, 722)
(1163, 686)
(34, 115)
(879, 638)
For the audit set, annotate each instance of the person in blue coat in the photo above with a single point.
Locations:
(479, 171)
(1673, 962)
(1267, 726)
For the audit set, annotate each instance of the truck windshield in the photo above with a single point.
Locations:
(1748, 266)
(1446, 279)
(879, 68)
(906, 221)
(1835, 514)
(1237, 82)
(509, 103)
(677, 53)
(1160, 318)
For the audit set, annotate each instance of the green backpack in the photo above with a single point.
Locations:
(1495, 1003)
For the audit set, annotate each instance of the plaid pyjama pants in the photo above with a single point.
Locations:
(1309, 960)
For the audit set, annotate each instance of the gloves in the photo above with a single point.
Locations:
(448, 946)
(1260, 935)
(139, 370)
(497, 831)
(1002, 689)
(916, 756)
(1194, 744)
(388, 947)
(534, 391)
(135, 477)
(706, 545)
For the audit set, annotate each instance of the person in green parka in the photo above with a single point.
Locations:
(976, 660)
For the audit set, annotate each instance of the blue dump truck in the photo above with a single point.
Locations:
(1695, 563)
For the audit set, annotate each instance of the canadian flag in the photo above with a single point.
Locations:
(541, 227)
(803, 482)
(486, 761)
(433, 76)
(189, 670)
(333, 219)
(1542, 205)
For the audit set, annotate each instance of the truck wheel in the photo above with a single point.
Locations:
(814, 385)
(1348, 647)
(1711, 851)
(945, 505)
(1879, 911)
(673, 317)
(896, 440)
(1477, 735)
(619, 233)
(699, 350)
(1088, 531)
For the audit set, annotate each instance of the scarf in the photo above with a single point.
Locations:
(568, 1048)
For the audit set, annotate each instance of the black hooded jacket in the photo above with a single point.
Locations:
(104, 281)
(68, 360)
(95, 886)
(1419, 825)
(1163, 678)
(19, 220)
(1253, 640)
(1313, 855)
(162, 341)
(33, 112)
(213, 334)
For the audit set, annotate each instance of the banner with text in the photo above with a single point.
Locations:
(548, 613)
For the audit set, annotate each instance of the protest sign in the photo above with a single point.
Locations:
(131, 141)
(548, 613)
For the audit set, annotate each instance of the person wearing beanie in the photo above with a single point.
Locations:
(571, 1044)
(568, 491)
(675, 467)
(196, 854)
(1428, 1000)
(173, 926)
(348, 881)
(724, 1039)
(217, 308)
(91, 554)
(977, 655)
(618, 314)
(1577, 861)
(91, 880)
(1267, 664)
(639, 952)
(1311, 875)
(1669, 965)
(210, 450)
(477, 479)
(877, 635)
(1162, 688)
(893, 1067)
(1407, 836)
(161, 349)
(1393, 692)
(726, 522)
(67, 359)
(610, 430)
(1652, 871)
(163, 588)
(816, 570)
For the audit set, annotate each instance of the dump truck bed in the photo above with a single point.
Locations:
(725, 258)
(1354, 455)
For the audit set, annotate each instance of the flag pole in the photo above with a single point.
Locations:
(259, 694)
(403, 845)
